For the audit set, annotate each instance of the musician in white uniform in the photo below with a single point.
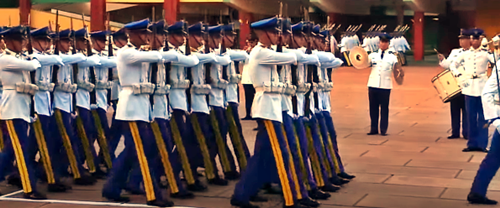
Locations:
(457, 104)
(380, 84)
(475, 62)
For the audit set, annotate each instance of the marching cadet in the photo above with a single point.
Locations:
(475, 62)
(384, 63)
(135, 111)
(84, 122)
(490, 164)
(216, 102)
(232, 95)
(41, 128)
(457, 105)
(178, 102)
(400, 45)
(271, 156)
(15, 109)
(63, 112)
(99, 111)
(200, 113)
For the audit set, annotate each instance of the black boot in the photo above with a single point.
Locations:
(232, 175)
(296, 206)
(338, 181)
(85, 181)
(182, 195)
(474, 198)
(15, 180)
(257, 198)
(56, 188)
(346, 176)
(218, 181)
(308, 202)
(120, 199)
(319, 195)
(330, 188)
(161, 203)
(270, 189)
(34, 196)
(99, 174)
(237, 203)
(196, 187)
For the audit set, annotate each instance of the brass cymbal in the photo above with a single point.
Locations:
(359, 58)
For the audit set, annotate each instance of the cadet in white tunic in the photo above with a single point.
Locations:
(271, 156)
(15, 110)
(383, 63)
(475, 62)
(457, 105)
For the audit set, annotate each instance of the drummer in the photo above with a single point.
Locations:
(383, 63)
(457, 104)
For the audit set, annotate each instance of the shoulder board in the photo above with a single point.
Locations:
(391, 52)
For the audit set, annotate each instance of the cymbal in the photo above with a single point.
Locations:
(359, 58)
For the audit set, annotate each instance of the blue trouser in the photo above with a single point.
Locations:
(313, 124)
(488, 167)
(88, 124)
(270, 150)
(139, 149)
(478, 135)
(326, 139)
(64, 118)
(223, 129)
(103, 118)
(189, 141)
(115, 133)
(457, 110)
(294, 150)
(333, 137)
(18, 147)
(301, 133)
(236, 117)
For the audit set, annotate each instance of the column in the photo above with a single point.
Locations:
(245, 19)
(335, 18)
(24, 11)
(171, 8)
(418, 35)
(97, 15)
(400, 9)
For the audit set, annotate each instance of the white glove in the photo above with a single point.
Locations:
(74, 115)
(33, 119)
(93, 107)
(496, 123)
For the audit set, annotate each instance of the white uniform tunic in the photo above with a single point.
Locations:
(178, 99)
(217, 94)
(101, 73)
(262, 68)
(380, 76)
(15, 69)
(475, 63)
(115, 88)
(82, 95)
(232, 88)
(44, 77)
(63, 100)
(198, 101)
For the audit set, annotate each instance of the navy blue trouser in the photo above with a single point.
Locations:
(88, 124)
(478, 135)
(301, 133)
(103, 118)
(294, 150)
(333, 137)
(315, 132)
(188, 139)
(223, 129)
(115, 132)
(488, 168)
(140, 149)
(270, 159)
(236, 117)
(325, 136)
(17, 147)
(379, 102)
(457, 110)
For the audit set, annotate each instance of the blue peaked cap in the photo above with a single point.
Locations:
(99, 34)
(64, 34)
(229, 28)
(297, 28)
(43, 32)
(324, 33)
(216, 29)
(464, 33)
(266, 24)
(159, 27)
(287, 25)
(81, 33)
(119, 34)
(316, 29)
(476, 32)
(196, 28)
(177, 28)
(137, 25)
(14, 31)
(385, 36)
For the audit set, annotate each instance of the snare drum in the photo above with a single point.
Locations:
(446, 86)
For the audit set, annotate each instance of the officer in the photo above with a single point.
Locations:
(490, 164)
(134, 110)
(475, 62)
(63, 114)
(41, 128)
(178, 102)
(383, 64)
(15, 109)
(271, 156)
(457, 104)
(84, 122)
(245, 79)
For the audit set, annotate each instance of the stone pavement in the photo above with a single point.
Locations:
(414, 166)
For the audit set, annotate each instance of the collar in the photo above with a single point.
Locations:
(262, 46)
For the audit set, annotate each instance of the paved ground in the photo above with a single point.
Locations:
(414, 166)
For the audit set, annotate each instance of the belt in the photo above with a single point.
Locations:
(9, 87)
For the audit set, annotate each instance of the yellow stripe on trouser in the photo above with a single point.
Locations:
(292, 166)
(280, 165)
(1, 138)
(335, 159)
(346, 56)
(67, 144)
(85, 143)
(221, 145)
(143, 162)
(209, 168)
(21, 163)
(188, 174)
(314, 159)
(236, 138)
(164, 158)
(44, 152)
(103, 143)
(301, 161)
(325, 158)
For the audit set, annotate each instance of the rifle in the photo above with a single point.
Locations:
(168, 65)
(310, 69)
(75, 66)
(223, 50)
(279, 47)
(55, 68)
(154, 66)
(208, 66)
(110, 54)
(188, 69)
(92, 77)
(29, 48)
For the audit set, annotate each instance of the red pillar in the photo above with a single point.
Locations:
(97, 15)
(418, 35)
(245, 19)
(335, 18)
(24, 11)
(171, 10)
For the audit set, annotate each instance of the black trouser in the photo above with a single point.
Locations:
(249, 95)
(457, 109)
(379, 98)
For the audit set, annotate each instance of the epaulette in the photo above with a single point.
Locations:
(391, 52)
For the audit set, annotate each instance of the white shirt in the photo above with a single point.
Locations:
(380, 76)
(475, 64)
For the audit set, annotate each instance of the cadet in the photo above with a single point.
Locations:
(475, 62)
(457, 104)
(271, 154)
(41, 128)
(380, 84)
